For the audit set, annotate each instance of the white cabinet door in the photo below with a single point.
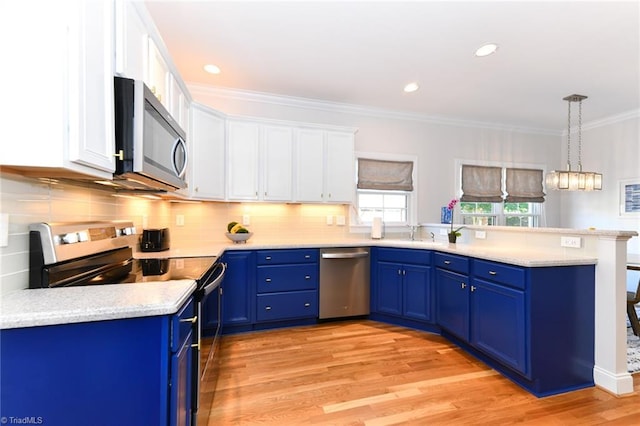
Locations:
(277, 157)
(243, 148)
(339, 167)
(179, 108)
(310, 165)
(207, 178)
(91, 137)
(158, 77)
(132, 42)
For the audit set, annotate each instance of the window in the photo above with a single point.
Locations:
(502, 214)
(386, 188)
(503, 196)
(391, 206)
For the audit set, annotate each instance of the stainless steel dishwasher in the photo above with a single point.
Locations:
(344, 282)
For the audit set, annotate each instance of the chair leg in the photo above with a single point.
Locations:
(633, 319)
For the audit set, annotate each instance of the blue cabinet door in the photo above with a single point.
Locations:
(389, 288)
(453, 302)
(239, 288)
(417, 292)
(498, 323)
(181, 364)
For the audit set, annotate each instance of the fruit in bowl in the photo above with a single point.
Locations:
(237, 233)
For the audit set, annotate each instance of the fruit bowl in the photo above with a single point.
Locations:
(239, 238)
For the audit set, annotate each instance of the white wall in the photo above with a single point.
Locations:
(614, 150)
(436, 144)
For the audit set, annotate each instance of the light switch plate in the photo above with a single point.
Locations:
(340, 220)
(180, 220)
(246, 219)
(329, 220)
(573, 242)
(481, 235)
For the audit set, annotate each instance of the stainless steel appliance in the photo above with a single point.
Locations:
(151, 147)
(155, 240)
(100, 253)
(344, 282)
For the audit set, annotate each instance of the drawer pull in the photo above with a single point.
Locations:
(493, 273)
(447, 262)
(267, 258)
(307, 277)
(191, 320)
(267, 308)
(306, 305)
(306, 256)
(268, 280)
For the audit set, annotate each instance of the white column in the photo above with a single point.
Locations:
(610, 370)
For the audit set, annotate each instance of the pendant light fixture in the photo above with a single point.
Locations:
(570, 180)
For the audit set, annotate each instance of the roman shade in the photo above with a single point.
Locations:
(385, 175)
(481, 184)
(524, 186)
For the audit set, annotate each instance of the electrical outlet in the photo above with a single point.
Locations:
(145, 221)
(573, 242)
(180, 220)
(340, 220)
(329, 220)
(443, 231)
(481, 235)
(4, 230)
(246, 219)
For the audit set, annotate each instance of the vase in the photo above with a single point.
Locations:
(452, 237)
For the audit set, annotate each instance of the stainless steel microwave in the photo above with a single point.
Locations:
(151, 148)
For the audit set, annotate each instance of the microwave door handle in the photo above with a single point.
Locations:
(179, 143)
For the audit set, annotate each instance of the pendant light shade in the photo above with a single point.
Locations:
(570, 180)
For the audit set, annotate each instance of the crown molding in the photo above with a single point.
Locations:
(336, 107)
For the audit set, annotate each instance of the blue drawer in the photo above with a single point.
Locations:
(451, 262)
(274, 257)
(287, 277)
(499, 272)
(289, 305)
(181, 324)
(420, 257)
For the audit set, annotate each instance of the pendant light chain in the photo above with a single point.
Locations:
(569, 138)
(580, 135)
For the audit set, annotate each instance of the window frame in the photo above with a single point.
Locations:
(355, 222)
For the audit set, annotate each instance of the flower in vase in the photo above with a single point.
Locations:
(451, 206)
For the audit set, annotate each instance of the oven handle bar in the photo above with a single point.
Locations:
(209, 287)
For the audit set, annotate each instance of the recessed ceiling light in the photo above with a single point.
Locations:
(411, 87)
(212, 69)
(486, 49)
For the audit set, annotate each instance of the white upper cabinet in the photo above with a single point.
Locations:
(277, 157)
(260, 161)
(180, 105)
(61, 91)
(243, 146)
(158, 75)
(325, 166)
(207, 154)
(132, 42)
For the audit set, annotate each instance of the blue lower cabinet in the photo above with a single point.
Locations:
(238, 300)
(452, 303)
(100, 373)
(498, 323)
(287, 305)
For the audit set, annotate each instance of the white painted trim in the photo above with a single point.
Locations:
(315, 104)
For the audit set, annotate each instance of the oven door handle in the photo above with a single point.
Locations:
(208, 288)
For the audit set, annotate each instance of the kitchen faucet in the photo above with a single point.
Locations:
(412, 231)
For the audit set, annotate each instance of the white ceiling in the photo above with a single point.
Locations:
(364, 52)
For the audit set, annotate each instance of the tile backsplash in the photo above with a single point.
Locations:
(29, 200)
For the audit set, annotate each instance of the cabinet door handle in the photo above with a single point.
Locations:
(404, 272)
(473, 288)
(196, 345)
(267, 308)
(447, 262)
(268, 280)
(493, 273)
(463, 285)
(306, 305)
(191, 320)
(399, 272)
(120, 155)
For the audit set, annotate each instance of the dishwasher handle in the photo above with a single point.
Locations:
(345, 255)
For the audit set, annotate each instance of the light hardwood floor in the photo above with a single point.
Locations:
(368, 373)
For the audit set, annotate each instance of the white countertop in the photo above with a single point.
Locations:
(49, 306)
(31, 308)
